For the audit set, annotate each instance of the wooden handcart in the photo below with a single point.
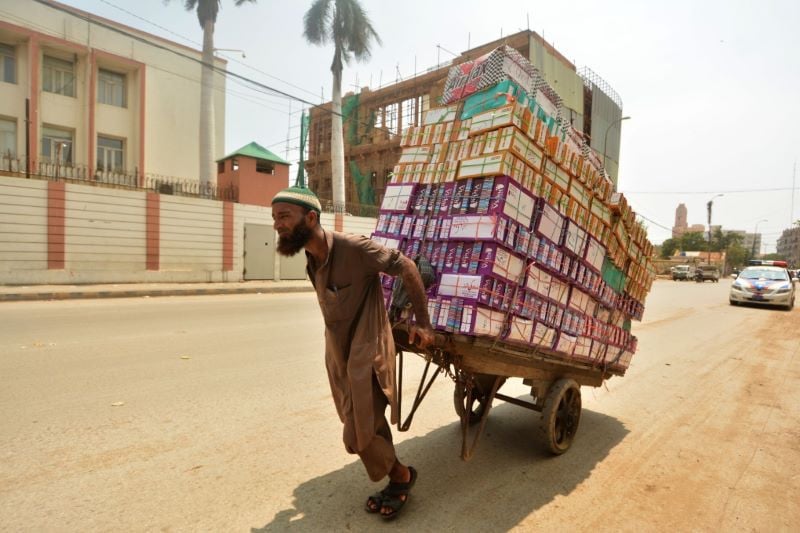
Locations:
(480, 366)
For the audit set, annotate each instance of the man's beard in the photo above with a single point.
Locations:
(295, 241)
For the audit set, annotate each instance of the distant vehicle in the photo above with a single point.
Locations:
(707, 273)
(764, 285)
(683, 272)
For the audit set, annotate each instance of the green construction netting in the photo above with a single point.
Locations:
(305, 122)
(613, 276)
(350, 118)
(366, 194)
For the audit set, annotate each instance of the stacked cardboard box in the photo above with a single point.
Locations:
(518, 217)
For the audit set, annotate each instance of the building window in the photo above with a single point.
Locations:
(58, 76)
(220, 167)
(8, 64)
(234, 164)
(8, 138)
(265, 167)
(111, 88)
(110, 154)
(57, 145)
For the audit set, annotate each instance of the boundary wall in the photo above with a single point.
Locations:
(64, 233)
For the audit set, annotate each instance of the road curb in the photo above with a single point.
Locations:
(138, 293)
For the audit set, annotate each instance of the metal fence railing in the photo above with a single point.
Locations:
(358, 210)
(132, 180)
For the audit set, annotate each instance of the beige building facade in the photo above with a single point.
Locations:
(104, 100)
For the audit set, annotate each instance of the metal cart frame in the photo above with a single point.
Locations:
(480, 366)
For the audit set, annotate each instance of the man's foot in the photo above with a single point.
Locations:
(375, 502)
(402, 475)
(395, 495)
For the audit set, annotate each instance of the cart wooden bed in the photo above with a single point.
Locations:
(480, 366)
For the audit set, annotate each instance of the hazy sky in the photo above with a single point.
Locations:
(711, 86)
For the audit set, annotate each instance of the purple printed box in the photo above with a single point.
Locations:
(470, 258)
(538, 280)
(445, 228)
(543, 336)
(480, 320)
(497, 260)
(474, 197)
(550, 224)
(460, 286)
(583, 348)
(452, 258)
(580, 301)
(598, 352)
(481, 228)
(461, 197)
(398, 198)
(438, 256)
(486, 291)
(387, 281)
(520, 330)
(444, 311)
(499, 299)
(559, 291)
(408, 225)
(575, 239)
(446, 191)
(509, 198)
(388, 241)
(565, 344)
(595, 254)
(421, 200)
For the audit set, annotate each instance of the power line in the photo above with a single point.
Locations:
(229, 58)
(258, 85)
(653, 221)
(732, 191)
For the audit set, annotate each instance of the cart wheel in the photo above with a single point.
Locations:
(561, 415)
(477, 407)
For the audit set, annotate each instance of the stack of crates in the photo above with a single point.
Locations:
(518, 217)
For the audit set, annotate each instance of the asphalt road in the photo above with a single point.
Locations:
(213, 413)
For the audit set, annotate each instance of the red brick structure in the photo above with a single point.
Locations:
(255, 173)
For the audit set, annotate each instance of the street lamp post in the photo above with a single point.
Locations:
(605, 137)
(755, 232)
(709, 205)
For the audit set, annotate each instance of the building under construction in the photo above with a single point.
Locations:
(374, 120)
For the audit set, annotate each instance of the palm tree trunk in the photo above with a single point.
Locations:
(337, 149)
(207, 148)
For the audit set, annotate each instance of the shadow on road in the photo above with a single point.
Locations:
(509, 477)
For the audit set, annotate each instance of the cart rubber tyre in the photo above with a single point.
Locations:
(478, 406)
(561, 415)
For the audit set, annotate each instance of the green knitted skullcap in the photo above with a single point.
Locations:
(299, 196)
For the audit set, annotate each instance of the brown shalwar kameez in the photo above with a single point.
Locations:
(359, 349)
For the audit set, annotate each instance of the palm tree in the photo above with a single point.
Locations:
(207, 11)
(345, 23)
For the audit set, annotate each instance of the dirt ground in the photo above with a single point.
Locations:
(213, 414)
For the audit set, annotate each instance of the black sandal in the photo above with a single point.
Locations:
(391, 495)
(376, 500)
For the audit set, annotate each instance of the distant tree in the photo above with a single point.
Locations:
(668, 248)
(694, 241)
(346, 25)
(722, 241)
(207, 11)
(737, 255)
